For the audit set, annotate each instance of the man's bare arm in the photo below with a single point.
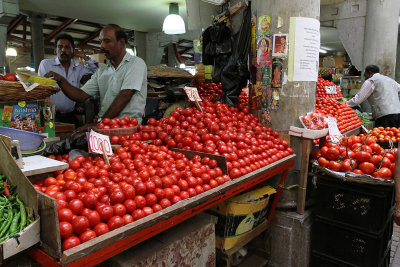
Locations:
(72, 92)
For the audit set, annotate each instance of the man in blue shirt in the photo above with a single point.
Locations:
(121, 84)
(64, 65)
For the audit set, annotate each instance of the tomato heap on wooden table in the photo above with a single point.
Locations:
(210, 91)
(359, 154)
(94, 198)
(345, 116)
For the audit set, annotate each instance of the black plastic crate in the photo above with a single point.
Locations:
(364, 206)
(321, 260)
(348, 245)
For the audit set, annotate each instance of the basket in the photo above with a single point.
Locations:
(14, 91)
(117, 131)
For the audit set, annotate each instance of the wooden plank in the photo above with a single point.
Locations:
(59, 29)
(38, 164)
(305, 157)
(92, 36)
(15, 23)
(184, 206)
(221, 160)
(49, 230)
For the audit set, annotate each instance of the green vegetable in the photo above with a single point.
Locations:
(14, 224)
(22, 211)
(7, 223)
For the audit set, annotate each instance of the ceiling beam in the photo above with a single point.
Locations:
(90, 37)
(14, 24)
(59, 29)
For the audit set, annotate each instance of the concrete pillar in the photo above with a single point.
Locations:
(380, 38)
(398, 59)
(140, 42)
(37, 38)
(3, 45)
(296, 98)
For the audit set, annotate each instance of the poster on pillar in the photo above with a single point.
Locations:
(264, 50)
(304, 43)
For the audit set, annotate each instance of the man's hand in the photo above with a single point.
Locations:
(80, 54)
(82, 130)
(57, 77)
(396, 213)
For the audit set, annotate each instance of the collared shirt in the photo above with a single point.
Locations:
(366, 90)
(107, 82)
(75, 73)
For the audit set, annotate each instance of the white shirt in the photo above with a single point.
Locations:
(366, 90)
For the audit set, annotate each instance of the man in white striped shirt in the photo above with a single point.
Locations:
(382, 94)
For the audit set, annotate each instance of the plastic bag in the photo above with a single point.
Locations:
(313, 121)
(235, 74)
(66, 145)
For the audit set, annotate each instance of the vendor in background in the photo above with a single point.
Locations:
(65, 66)
(382, 94)
(121, 84)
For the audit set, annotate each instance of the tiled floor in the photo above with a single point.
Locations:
(395, 250)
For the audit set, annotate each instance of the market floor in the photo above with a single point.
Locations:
(395, 250)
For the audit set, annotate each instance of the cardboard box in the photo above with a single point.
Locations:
(240, 216)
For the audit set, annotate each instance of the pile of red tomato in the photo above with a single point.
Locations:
(382, 134)
(314, 121)
(345, 116)
(94, 198)
(210, 91)
(221, 130)
(321, 91)
(115, 123)
(359, 154)
(243, 100)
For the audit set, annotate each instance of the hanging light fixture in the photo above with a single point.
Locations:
(11, 52)
(173, 23)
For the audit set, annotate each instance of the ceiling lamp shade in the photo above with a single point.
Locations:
(173, 23)
(11, 52)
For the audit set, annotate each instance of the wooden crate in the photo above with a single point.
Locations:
(51, 241)
(31, 234)
(63, 130)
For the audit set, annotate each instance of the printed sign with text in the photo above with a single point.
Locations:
(94, 141)
(192, 93)
(330, 89)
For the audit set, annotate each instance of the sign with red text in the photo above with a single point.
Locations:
(94, 141)
(192, 93)
(333, 129)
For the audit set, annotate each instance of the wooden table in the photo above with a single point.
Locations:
(110, 244)
(34, 165)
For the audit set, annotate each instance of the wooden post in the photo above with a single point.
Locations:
(198, 105)
(306, 145)
(104, 153)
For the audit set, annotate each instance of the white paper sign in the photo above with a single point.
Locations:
(330, 89)
(333, 129)
(304, 35)
(94, 141)
(192, 93)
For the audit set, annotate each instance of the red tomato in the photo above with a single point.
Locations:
(366, 167)
(65, 215)
(101, 229)
(76, 206)
(66, 229)
(93, 217)
(70, 242)
(119, 210)
(115, 222)
(87, 235)
(80, 224)
(105, 212)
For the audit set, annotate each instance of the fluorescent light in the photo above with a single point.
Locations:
(11, 52)
(322, 51)
(173, 23)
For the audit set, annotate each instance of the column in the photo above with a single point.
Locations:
(3, 45)
(381, 31)
(397, 76)
(37, 38)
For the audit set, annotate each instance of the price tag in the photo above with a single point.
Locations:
(94, 141)
(333, 129)
(192, 93)
(330, 89)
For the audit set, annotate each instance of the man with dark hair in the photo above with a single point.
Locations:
(382, 94)
(121, 84)
(65, 66)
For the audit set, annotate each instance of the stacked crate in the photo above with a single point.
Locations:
(353, 223)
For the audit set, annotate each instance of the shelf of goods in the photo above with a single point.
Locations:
(114, 242)
(350, 85)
